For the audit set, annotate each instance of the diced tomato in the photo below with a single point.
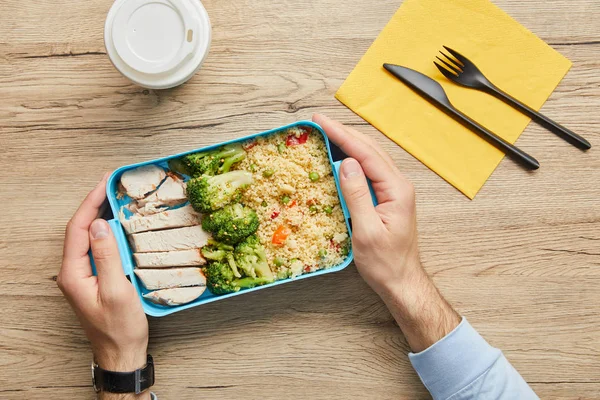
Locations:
(250, 145)
(292, 204)
(293, 140)
(275, 214)
(281, 234)
(307, 268)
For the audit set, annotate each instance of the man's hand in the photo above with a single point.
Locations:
(384, 237)
(107, 306)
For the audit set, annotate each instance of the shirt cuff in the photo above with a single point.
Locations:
(454, 361)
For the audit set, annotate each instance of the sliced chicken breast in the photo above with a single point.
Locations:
(177, 218)
(191, 237)
(142, 180)
(170, 277)
(175, 297)
(148, 209)
(164, 259)
(170, 193)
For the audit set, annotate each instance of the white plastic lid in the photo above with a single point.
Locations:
(157, 44)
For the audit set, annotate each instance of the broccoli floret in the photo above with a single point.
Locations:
(248, 282)
(251, 258)
(233, 265)
(216, 251)
(221, 280)
(201, 164)
(211, 162)
(213, 254)
(210, 193)
(232, 159)
(231, 224)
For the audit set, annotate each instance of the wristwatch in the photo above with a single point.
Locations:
(123, 382)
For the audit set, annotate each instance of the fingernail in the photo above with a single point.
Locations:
(99, 229)
(351, 168)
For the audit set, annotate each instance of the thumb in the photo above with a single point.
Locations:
(357, 195)
(106, 256)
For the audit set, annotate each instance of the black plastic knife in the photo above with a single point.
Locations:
(434, 93)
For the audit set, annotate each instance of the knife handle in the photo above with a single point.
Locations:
(509, 149)
(541, 119)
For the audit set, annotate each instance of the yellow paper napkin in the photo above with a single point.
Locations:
(512, 57)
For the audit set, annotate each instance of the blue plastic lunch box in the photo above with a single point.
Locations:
(156, 310)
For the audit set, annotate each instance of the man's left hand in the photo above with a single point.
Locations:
(107, 305)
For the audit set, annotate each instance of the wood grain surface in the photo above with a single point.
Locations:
(521, 261)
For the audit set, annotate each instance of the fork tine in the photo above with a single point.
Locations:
(464, 60)
(452, 61)
(452, 67)
(445, 72)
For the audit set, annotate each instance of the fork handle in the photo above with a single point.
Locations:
(546, 122)
(509, 149)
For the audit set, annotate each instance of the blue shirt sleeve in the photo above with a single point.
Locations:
(463, 366)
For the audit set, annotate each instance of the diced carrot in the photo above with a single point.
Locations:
(281, 234)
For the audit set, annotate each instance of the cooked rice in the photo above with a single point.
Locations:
(318, 240)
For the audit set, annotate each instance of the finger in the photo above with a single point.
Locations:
(358, 196)
(106, 256)
(77, 241)
(387, 181)
(377, 164)
(365, 139)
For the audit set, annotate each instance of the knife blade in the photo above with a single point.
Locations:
(435, 94)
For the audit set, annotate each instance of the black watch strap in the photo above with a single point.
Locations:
(124, 382)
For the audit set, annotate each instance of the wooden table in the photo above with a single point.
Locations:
(522, 261)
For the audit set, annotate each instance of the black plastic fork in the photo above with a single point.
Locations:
(462, 71)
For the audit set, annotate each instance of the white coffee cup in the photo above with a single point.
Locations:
(157, 44)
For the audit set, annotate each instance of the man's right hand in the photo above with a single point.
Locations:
(384, 238)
